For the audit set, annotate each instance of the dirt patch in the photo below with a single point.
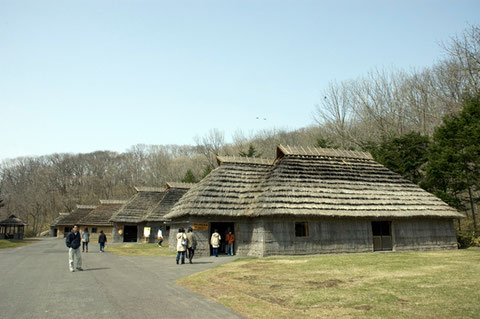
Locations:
(330, 283)
(286, 261)
(363, 307)
(246, 277)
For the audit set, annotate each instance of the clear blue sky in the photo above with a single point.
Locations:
(80, 76)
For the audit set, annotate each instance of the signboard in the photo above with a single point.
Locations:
(146, 232)
(200, 226)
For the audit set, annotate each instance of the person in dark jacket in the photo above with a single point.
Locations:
(191, 243)
(102, 239)
(73, 241)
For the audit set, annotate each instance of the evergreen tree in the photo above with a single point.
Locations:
(325, 143)
(189, 177)
(208, 168)
(405, 155)
(454, 159)
(252, 152)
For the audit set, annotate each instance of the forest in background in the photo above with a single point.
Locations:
(421, 124)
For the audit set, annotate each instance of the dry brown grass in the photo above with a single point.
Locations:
(441, 284)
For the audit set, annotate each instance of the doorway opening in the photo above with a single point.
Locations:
(130, 234)
(382, 235)
(223, 229)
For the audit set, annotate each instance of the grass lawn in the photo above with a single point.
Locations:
(10, 243)
(435, 284)
(140, 250)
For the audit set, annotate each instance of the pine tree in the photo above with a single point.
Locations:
(454, 159)
(252, 152)
(189, 177)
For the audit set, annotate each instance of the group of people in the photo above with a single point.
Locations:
(73, 241)
(188, 243)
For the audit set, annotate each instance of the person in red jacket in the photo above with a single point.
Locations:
(229, 240)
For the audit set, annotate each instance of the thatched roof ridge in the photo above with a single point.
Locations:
(317, 151)
(149, 189)
(100, 216)
(12, 220)
(113, 201)
(139, 206)
(246, 160)
(179, 185)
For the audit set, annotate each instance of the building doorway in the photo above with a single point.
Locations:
(130, 234)
(223, 229)
(382, 235)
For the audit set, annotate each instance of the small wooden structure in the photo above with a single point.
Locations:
(143, 214)
(63, 224)
(128, 222)
(12, 228)
(155, 219)
(99, 218)
(310, 201)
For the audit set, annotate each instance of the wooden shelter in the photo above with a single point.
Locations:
(314, 200)
(12, 228)
(99, 218)
(63, 224)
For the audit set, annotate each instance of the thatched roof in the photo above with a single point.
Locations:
(227, 190)
(100, 216)
(59, 218)
(137, 207)
(174, 192)
(310, 182)
(12, 220)
(73, 218)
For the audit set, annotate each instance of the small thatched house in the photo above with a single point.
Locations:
(311, 201)
(155, 219)
(12, 228)
(99, 218)
(63, 224)
(142, 216)
(129, 220)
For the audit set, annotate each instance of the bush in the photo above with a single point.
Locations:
(467, 239)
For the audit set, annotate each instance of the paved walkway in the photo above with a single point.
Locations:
(35, 283)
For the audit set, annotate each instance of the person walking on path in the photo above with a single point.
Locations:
(215, 242)
(191, 243)
(102, 239)
(85, 240)
(181, 245)
(73, 243)
(160, 238)
(230, 239)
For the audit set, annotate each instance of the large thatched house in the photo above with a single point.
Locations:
(99, 218)
(313, 201)
(142, 216)
(63, 224)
